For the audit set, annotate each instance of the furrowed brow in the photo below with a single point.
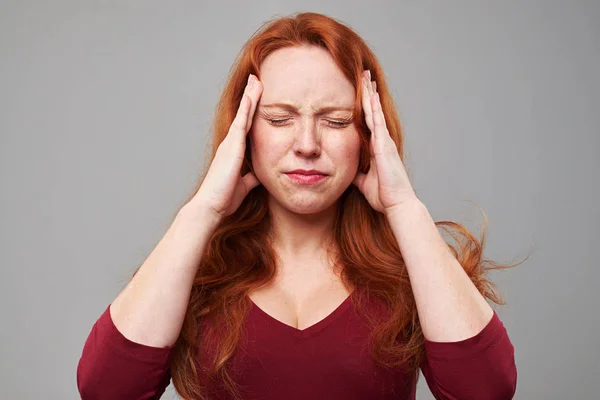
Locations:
(320, 111)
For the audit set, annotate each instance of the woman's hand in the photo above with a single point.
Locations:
(386, 185)
(223, 188)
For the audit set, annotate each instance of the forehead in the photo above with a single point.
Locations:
(304, 76)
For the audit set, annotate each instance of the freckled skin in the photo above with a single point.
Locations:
(283, 140)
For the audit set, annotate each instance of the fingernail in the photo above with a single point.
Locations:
(369, 73)
(250, 81)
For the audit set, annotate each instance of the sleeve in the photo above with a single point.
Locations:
(114, 367)
(481, 367)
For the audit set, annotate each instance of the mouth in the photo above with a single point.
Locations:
(302, 176)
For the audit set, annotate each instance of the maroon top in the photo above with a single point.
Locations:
(328, 360)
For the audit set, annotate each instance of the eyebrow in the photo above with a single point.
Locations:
(320, 111)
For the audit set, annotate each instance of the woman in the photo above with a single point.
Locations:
(304, 265)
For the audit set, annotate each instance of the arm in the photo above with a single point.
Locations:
(151, 308)
(481, 367)
(449, 305)
(114, 367)
(468, 352)
(127, 353)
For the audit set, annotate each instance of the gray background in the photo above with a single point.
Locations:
(105, 108)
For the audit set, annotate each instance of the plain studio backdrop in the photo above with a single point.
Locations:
(104, 118)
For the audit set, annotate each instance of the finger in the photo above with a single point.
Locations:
(366, 101)
(378, 117)
(368, 80)
(359, 180)
(376, 125)
(254, 93)
(238, 126)
(237, 130)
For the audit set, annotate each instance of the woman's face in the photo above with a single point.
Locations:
(303, 122)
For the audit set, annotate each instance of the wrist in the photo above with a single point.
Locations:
(197, 213)
(407, 206)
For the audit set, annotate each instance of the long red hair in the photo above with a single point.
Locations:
(239, 256)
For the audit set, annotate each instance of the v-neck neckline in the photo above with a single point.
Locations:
(308, 331)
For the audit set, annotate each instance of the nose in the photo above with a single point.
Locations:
(308, 140)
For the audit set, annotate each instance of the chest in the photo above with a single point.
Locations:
(328, 359)
(302, 300)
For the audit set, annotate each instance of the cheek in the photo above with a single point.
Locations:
(266, 147)
(348, 149)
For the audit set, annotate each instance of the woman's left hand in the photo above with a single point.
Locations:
(386, 185)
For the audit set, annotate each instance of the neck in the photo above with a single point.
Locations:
(299, 236)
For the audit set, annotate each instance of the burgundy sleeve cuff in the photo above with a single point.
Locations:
(466, 348)
(481, 367)
(128, 348)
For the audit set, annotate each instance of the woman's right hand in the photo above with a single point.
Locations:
(223, 188)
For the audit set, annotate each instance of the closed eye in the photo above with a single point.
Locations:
(339, 124)
(335, 124)
(277, 121)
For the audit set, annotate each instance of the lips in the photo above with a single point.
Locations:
(306, 176)
(307, 172)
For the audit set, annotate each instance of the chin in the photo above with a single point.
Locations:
(307, 209)
(305, 205)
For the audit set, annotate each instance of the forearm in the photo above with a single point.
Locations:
(151, 308)
(449, 305)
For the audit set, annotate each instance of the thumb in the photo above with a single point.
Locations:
(250, 181)
(359, 180)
